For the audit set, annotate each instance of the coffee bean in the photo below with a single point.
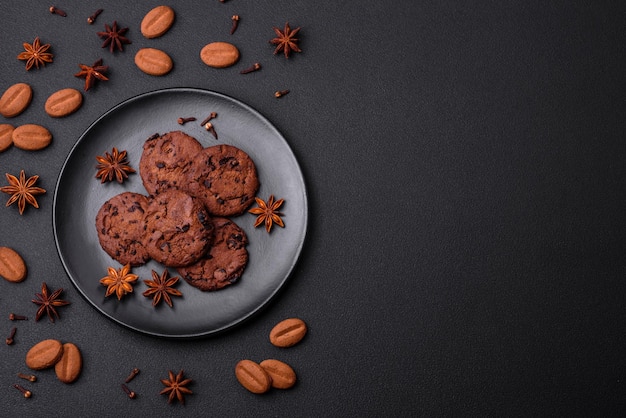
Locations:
(15, 100)
(44, 354)
(69, 366)
(283, 376)
(288, 332)
(153, 61)
(219, 54)
(63, 103)
(31, 137)
(252, 376)
(12, 266)
(6, 140)
(157, 21)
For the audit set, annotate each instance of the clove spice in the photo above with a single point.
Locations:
(182, 121)
(130, 393)
(235, 20)
(91, 19)
(29, 377)
(27, 393)
(132, 375)
(57, 11)
(9, 339)
(213, 115)
(209, 127)
(280, 93)
(255, 67)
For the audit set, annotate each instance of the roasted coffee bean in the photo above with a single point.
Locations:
(252, 376)
(12, 266)
(288, 332)
(157, 21)
(15, 100)
(63, 103)
(153, 61)
(31, 137)
(283, 376)
(6, 139)
(69, 366)
(44, 354)
(219, 54)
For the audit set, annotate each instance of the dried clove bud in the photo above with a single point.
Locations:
(27, 393)
(29, 377)
(280, 93)
(93, 17)
(130, 393)
(132, 375)
(57, 11)
(255, 67)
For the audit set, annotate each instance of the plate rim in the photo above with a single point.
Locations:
(292, 264)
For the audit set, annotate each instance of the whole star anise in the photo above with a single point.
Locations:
(93, 72)
(23, 191)
(268, 213)
(48, 302)
(160, 287)
(286, 40)
(119, 281)
(114, 164)
(35, 54)
(114, 37)
(175, 387)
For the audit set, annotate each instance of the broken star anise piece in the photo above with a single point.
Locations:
(23, 191)
(114, 37)
(48, 302)
(161, 287)
(113, 165)
(268, 213)
(119, 281)
(93, 72)
(286, 40)
(35, 54)
(175, 387)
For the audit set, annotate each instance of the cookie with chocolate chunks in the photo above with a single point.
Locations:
(121, 228)
(225, 262)
(225, 178)
(166, 159)
(179, 228)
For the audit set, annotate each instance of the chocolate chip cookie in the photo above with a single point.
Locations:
(179, 228)
(121, 228)
(225, 178)
(225, 262)
(165, 160)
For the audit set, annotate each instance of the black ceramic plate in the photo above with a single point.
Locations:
(79, 196)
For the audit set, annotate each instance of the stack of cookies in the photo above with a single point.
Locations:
(184, 221)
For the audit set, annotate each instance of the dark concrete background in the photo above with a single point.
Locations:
(465, 169)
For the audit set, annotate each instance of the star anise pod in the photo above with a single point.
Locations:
(35, 54)
(48, 302)
(119, 281)
(114, 164)
(268, 213)
(286, 40)
(23, 191)
(160, 287)
(175, 387)
(91, 73)
(114, 37)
